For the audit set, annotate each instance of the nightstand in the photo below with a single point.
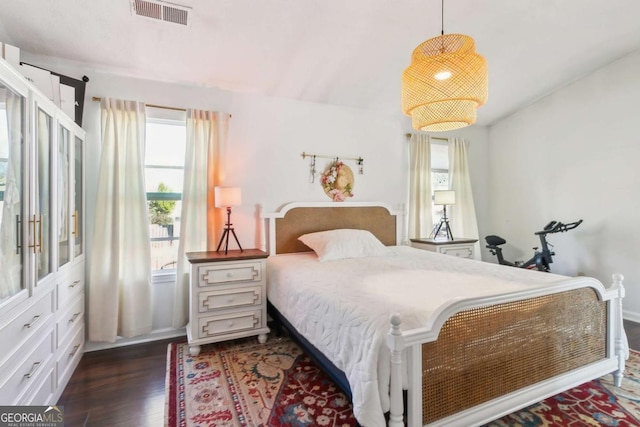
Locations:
(228, 297)
(459, 246)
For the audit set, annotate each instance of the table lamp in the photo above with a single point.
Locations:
(225, 197)
(444, 198)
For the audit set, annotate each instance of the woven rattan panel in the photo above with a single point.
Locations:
(487, 352)
(299, 221)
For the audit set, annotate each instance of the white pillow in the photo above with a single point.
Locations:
(343, 243)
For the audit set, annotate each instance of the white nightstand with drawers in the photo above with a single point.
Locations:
(459, 246)
(228, 297)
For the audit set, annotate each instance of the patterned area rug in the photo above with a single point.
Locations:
(244, 383)
(596, 403)
(250, 384)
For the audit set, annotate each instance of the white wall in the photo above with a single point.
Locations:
(574, 155)
(266, 139)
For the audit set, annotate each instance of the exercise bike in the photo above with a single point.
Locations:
(540, 259)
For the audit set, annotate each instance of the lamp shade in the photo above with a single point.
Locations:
(444, 197)
(445, 83)
(227, 196)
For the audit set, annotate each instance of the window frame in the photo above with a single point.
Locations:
(175, 118)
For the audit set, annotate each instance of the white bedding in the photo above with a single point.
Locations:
(343, 306)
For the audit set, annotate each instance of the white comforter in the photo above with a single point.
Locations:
(342, 307)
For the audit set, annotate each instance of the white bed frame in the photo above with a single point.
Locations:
(411, 341)
(273, 216)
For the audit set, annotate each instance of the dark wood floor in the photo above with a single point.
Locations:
(125, 386)
(118, 387)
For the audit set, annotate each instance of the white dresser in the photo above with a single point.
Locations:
(41, 244)
(228, 297)
(459, 246)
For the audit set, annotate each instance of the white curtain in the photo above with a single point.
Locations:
(10, 265)
(206, 141)
(120, 276)
(420, 215)
(463, 213)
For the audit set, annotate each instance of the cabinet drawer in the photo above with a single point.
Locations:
(73, 315)
(70, 285)
(218, 325)
(69, 356)
(26, 324)
(43, 393)
(459, 251)
(215, 300)
(32, 366)
(212, 274)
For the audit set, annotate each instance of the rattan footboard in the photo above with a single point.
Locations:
(487, 352)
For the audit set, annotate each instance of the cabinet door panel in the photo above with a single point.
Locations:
(40, 221)
(11, 192)
(62, 196)
(78, 188)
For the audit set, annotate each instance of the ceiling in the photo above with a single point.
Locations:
(349, 53)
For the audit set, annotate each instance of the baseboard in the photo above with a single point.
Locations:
(631, 315)
(158, 335)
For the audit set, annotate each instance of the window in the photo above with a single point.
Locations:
(164, 173)
(439, 175)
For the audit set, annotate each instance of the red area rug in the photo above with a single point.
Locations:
(244, 383)
(596, 403)
(251, 384)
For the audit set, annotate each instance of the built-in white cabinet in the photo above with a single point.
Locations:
(41, 244)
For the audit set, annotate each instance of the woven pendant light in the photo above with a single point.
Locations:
(445, 83)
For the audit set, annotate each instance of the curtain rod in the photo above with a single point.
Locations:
(408, 135)
(98, 99)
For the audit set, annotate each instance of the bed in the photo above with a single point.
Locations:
(468, 341)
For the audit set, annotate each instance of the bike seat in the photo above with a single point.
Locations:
(493, 240)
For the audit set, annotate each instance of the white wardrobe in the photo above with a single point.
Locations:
(41, 244)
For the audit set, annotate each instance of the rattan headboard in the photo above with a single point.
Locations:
(296, 219)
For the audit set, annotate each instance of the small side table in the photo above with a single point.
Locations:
(228, 297)
(459, 246)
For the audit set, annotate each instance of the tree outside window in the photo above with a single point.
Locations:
(160, 210)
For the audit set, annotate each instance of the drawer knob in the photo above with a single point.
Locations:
(230, 323)
(229, 275)
(230, 299)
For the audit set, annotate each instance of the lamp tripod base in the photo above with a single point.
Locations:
(228, 229)
(444, 222)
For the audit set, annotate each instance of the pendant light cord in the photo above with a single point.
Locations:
(442, 18)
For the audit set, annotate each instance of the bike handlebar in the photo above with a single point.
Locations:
(558, 227)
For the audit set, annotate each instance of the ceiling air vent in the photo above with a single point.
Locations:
(161, 11)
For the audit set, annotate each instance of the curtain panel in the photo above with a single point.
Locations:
(120, 275)
(420, 210)
(206, 143)
(463, 213)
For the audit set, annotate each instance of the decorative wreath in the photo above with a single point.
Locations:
(337, 181)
